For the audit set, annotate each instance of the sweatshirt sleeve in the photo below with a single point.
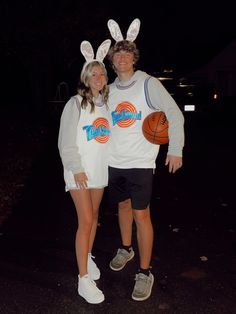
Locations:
(160, 99)
(68, 149)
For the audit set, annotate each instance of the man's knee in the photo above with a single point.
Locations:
(142, 216)
(125, 205)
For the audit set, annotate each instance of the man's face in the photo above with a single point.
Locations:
(123, 61)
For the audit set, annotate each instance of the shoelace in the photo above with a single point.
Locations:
(94, 283)
(140, 281)
(122, 254)
(92, 263)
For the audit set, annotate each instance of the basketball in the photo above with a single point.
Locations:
(155, 128)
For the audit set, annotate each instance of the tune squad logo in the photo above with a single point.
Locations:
(99, 130)
(125, 115)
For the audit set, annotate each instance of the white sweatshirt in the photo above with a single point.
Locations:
(82, 142)
(129, 103)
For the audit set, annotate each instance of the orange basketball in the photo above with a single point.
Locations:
(155, 128)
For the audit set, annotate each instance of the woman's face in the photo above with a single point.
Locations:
(98, 80)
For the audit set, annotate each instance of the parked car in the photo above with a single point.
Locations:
(190, 95)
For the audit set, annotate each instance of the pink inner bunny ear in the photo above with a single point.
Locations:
(115, 30)
(133, 30)
(87, 50)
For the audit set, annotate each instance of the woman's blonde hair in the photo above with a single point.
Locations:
(84, 90)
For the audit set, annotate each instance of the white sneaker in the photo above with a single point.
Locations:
(89, 291)
(93, 270)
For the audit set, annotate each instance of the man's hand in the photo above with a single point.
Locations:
(174, 163)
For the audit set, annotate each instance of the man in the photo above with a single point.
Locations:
(134, 95)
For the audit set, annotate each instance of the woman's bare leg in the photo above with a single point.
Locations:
(96, 196)
(84, 208)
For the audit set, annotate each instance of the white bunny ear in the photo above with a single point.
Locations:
(133, 30)
(87, 50)
(103, 50)
(115, 30)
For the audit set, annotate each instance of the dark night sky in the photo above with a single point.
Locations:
(185, 34)
(41, 39)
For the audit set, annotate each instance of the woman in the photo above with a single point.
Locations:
(83, 137)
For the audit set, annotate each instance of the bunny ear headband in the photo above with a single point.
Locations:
(132, 32)
(88, 52)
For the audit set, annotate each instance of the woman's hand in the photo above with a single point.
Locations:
(81, 180)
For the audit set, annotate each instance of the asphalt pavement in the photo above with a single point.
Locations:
(194, 219)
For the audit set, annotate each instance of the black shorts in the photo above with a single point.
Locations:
(134, 183)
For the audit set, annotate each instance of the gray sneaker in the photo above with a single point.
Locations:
(143, 287)
(121, 259)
